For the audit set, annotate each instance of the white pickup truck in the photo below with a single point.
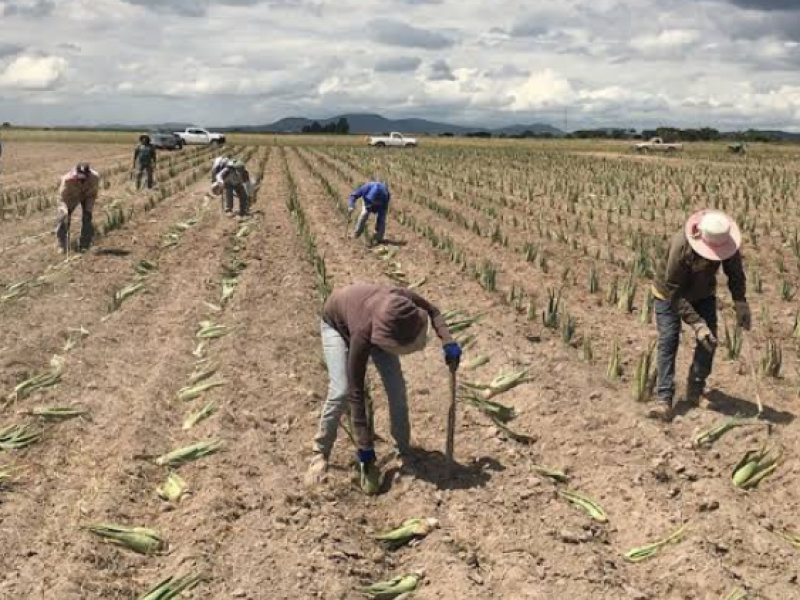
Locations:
(393, 139)
(200, 136)
(657, 145)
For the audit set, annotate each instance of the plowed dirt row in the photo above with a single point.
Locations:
(35, 325)
(126, 373)
(249, 525)
(592, 314)
(665, 483)
(31, 239)
(38, 164)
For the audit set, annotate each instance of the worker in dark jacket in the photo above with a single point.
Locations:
(360, 322)
(144, 161)
(376, 198)
(685, 291)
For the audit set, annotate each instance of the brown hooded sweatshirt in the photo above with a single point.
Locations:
(366, 316)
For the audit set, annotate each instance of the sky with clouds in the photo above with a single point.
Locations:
(727, 63)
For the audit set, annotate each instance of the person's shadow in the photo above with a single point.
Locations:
(728, 405)
(388, 242)
(121, 252)
(431, 466)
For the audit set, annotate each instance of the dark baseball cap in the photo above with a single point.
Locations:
(83, 170)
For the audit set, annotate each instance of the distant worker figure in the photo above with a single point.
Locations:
(685, 290)
(219, 163)
(233, 178)
(144, 160)
(362, 322)
(376, 198)
(78, 187)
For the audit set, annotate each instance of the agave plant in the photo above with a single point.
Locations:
(772, 361)
(614, 368)
(644, 380)
(551, 315)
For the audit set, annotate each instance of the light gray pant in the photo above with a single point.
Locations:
(336, 352)
(380, 223)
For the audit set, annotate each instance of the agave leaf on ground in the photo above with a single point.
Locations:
(187, 454)
(142, 540)
(649, 550)
(171, 587)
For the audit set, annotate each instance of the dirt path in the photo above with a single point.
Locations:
(666, 482)
(249, 525)
(131, 397)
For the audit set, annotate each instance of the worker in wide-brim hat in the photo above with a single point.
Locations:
(685, 291)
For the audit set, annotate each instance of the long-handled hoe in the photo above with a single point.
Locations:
(753, 373)
(451, 424)
(69, 227)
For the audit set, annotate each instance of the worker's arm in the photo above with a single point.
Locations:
(62, 191)
(359, 193)
(677, 276)
(737, 280)
(135, 156)
(222, 175)
(93, 190)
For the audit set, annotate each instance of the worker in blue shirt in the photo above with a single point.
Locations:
(376, 197)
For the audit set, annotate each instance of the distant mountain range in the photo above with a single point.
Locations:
(363, 123)
(368, 123)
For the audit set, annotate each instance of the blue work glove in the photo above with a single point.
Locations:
(452, 355)
(366, 456)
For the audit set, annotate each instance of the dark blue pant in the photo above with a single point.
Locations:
(668, 321)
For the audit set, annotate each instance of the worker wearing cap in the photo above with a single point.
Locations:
(376, 198)
(78, 187)
(685, 290)
(232, 179)
(360, 322)
(144, 160)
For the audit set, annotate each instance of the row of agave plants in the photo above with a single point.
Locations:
(26, 201)
(748, 473)
(119, 212)
(19, 436)
(578, 269)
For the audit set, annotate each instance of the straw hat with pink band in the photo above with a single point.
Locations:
(713, 234)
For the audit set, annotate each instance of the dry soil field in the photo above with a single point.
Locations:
(552, 244)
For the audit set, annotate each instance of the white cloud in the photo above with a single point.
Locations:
(34, 72)
(543, 89)
(670, 39)
(607, 62)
